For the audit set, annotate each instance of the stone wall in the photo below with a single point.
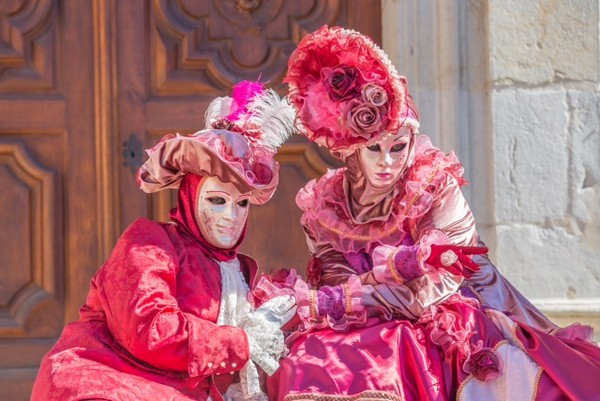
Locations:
(513, 87)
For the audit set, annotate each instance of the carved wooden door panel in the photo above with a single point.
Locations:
(85, 87)
(49, 179)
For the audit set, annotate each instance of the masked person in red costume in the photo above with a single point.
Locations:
(403, 304)
(167, 316)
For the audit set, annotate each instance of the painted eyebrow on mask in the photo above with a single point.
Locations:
(218, 192)
(403, 139)
(241, 197)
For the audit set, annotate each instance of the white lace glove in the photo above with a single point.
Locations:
(279, 310)
(266, 344)
(263, 328)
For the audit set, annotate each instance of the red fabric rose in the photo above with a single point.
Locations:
(340, 82)
(484, 364)
(268, 286)
(279, 275)
(222, 124)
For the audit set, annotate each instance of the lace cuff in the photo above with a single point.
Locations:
(403, 263)
(329, 302)
(396, 264)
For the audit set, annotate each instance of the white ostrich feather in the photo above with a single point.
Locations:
(218, 109)
(272, 116)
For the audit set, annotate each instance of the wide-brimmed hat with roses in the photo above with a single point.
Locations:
(346, 91)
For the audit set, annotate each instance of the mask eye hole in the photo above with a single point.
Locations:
(216, 200)
(374, 148)
(399, 147)
(243, 203)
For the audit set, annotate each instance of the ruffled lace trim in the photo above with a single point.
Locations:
(327, 216)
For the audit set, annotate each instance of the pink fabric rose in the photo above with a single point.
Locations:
(484, 364)
(374, 94)
(448, 328)
(363, 118)
(442, 332)
(340, 82)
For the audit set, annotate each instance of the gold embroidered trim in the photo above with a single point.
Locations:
(348, 298)
(500, 343)
(339, 232)
(364, 396)
(477, 294)
(517, 341)
(428, 181)
(312, 303)
(391, 265)
(513, 330)
(394, 228)
(536, 385)
(462, 386)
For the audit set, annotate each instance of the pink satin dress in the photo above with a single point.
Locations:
(434, 337)
(148, 328)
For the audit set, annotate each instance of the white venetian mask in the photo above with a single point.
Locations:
(222, 212)
(383, 163)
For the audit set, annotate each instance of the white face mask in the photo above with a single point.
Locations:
(222, 212)
(384, 162)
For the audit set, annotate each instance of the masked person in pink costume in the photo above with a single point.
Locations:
(403, 303)
(167, 316)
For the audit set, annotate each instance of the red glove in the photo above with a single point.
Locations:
(455, 259)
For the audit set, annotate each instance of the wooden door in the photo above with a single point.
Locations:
(85, 87)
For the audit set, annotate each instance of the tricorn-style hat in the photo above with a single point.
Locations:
(240, 138)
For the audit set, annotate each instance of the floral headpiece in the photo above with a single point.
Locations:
(347, 92)
(241, 136)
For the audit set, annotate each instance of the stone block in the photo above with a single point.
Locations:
(547, 263)
(531, 155)
(585, 160)
(535, 42)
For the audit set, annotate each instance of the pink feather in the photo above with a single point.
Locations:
(242, 95)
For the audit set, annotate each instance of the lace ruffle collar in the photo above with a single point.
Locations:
(327, 216)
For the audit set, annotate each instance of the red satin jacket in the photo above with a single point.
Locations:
(148, 327)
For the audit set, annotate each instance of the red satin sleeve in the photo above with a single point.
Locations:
(136, 288)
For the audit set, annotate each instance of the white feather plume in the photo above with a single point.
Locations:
(218, 109)
(272, 116)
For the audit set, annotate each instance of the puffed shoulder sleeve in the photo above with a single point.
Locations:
(451, 214)
(137, 287)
